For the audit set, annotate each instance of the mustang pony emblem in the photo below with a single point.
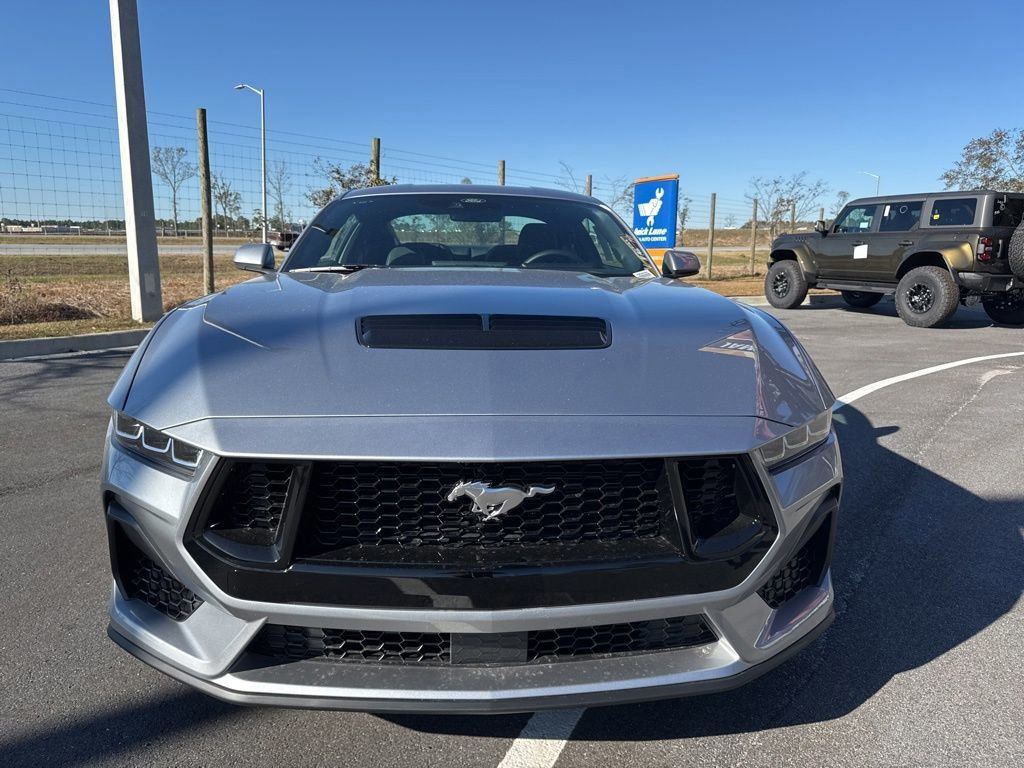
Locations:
(492, 502)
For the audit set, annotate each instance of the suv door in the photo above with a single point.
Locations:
(898, 229)
(842, 251)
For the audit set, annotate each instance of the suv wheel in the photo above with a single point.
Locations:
(1005, 308)
(861, 299)
(927, 296)
(785, 286)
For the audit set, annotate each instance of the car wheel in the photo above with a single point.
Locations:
(1005, 308)
(861, 299)
(927, 296)
(785, 286)
(1016, 252)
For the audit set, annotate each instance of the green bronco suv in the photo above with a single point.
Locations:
(933, 251)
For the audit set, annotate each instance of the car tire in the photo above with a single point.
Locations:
(861, 299)
(1015, 251)
(785, 286)
(1005, 308)
(927, 297)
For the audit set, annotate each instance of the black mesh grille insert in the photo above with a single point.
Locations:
(295, 643)
(142, 579)
(406, 504)
(251, 502)
(611, 639)
(287, 643)
(483, 332)
(709, 490)
(803, 570)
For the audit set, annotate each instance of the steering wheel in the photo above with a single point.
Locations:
(552, 256)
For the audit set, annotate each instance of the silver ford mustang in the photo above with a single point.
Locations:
(468, 450)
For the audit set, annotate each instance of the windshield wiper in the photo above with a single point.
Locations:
(340, 268)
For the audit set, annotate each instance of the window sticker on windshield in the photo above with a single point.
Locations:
(860, 251)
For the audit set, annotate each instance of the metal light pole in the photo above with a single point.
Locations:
(263, 146)
(876, 177)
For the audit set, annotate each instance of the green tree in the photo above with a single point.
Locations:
(339, 180)
(995, 161)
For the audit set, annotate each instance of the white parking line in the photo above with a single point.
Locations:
(542, 739)
(857, 394)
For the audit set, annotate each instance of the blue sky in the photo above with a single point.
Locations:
(715, 91)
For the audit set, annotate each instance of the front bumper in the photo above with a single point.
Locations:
(209, 649)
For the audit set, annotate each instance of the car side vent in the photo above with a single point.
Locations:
(483, 332)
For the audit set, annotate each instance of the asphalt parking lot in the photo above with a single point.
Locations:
(923, 665)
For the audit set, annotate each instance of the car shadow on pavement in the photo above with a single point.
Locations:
(965, 317)
(115, 734)
(921, 565)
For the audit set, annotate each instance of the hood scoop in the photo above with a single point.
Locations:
(483, 332)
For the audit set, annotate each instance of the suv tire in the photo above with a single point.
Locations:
(785, 286)
(861, 299)
(1016, 252)
(1005, 308)
(926, 297)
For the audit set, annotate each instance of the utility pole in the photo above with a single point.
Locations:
(711, 234)
(590, 185)
(753, 238)
(136, 178)
(375, 159)
(501, 173)
(205, 203)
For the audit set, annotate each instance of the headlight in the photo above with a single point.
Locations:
(800, 440)
(155, 445)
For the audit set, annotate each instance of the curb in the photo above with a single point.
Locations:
(824, 299)
(55, 345)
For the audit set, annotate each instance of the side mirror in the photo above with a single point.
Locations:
(255, 257)
(680, 264)
(821, 227)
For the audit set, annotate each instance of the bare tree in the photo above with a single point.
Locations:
(995, 161)
(777, 195)
(568, 179)
(226, 200)
(172, 168)
(842, 197)
(729, 221)
(279, 184)
(356, 176)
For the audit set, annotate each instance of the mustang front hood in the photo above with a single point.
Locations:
(286, 347)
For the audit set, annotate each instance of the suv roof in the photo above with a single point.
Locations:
(920, 195)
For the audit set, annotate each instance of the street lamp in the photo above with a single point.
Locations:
(263, 147)
(876, 177)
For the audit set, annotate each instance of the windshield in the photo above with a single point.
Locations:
(468, 231)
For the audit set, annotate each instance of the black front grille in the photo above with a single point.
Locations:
(288, 643)
(283, 644)
(406, 504)
(709, 490)
(143, 579)
(805, 569)
(251, 502)
(614, 639)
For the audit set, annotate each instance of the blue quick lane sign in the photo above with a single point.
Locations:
(654, 211)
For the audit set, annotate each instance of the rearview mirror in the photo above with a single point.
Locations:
(679, 264)
(821, 227)
(255, 257)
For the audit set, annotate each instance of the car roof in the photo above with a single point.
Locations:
(470, 189)
(922, 195)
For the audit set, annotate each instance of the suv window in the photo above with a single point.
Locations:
(856, 220)
(901, 216)
(953, 212)
(1008, 212)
